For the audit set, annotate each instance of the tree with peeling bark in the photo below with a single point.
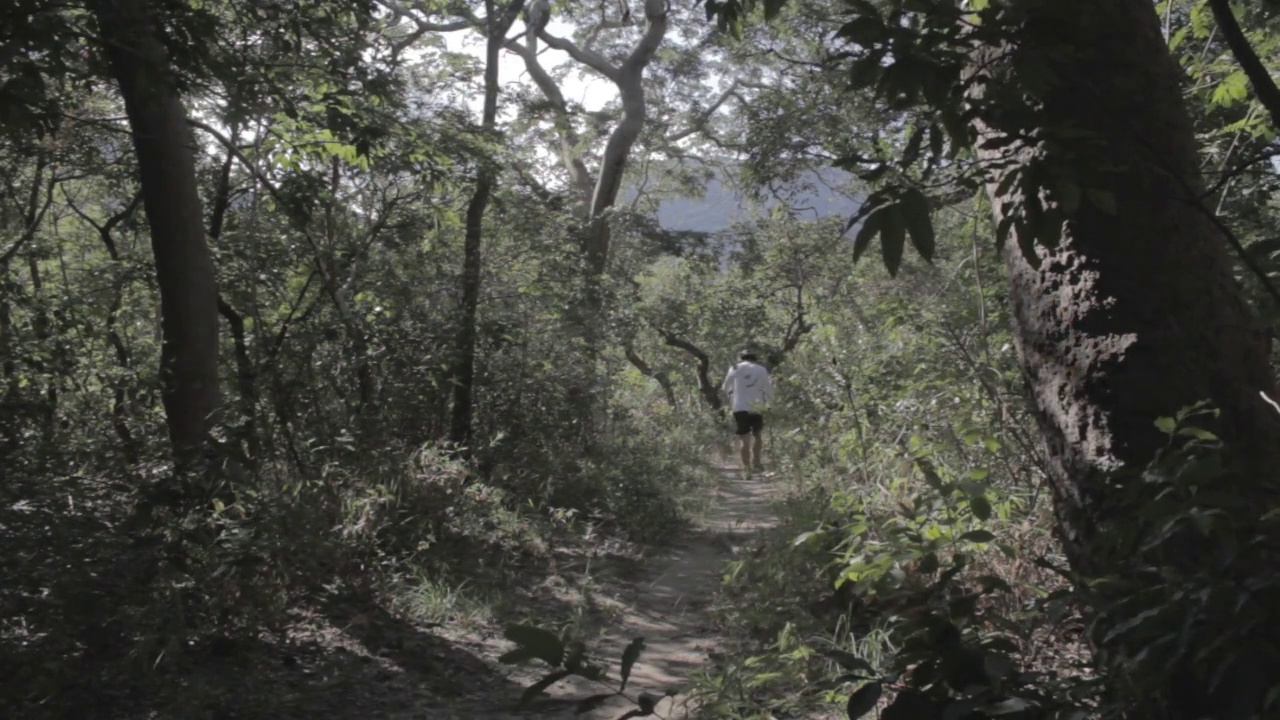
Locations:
(596, 196)
(1125, 300)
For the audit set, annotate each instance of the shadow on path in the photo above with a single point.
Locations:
(669, 605)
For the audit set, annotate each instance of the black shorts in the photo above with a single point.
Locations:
(748, 422)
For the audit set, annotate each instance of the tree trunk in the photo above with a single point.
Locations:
(597, 235)
(40, 326)
(246, 379)
(184, 268)
(588, 313)
(707, 387)
(8, 367)
(1135, 313)
(464, 369)
(246, 375)
(122, 403)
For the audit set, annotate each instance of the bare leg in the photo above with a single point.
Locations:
(757, 446)
(744, 451)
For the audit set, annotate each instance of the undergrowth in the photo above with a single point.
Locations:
(113, 587)
(908, 594)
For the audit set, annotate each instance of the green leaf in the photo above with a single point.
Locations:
(804, 537)
(978, 536)
(992, 583)
(865, 72)
(847, 660)
(539, 687)
(870, 226)
(1198, 434)
(1233, 88)
(772, 8)
(911, 152)
(915, 210)
(937, 136)
(542, 644)
(893, 238)
(912, 705)
(980, 506)
(629, 657)
(957, 129)
(850, 678)
(864, 700)
(929, 564)
(1166, 425)
(864, 30)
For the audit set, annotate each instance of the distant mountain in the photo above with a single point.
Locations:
(817, 195)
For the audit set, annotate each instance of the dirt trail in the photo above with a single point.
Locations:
(668, 607)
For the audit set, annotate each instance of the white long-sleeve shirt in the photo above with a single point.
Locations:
(749, 385)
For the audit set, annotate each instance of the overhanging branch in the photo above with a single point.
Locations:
(1259, 77)
(706, 388)
(590, 58)
(699, 122)
(658, 376)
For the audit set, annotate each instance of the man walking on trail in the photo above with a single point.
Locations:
(750, 387)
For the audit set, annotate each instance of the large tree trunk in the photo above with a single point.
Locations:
(1135, 313)
(464, 369)
(184, 268)
(598, 198)
(9, 429)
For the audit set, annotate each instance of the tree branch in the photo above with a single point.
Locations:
(700, 121)
(655, 11)
(590, 58)
(329, 279)
(399, 11)
(659, 376)
(35, 213)
(579, 177)
(1263, 86)
(104, 231)
(594, 32)
(710, 392)
(630, 82)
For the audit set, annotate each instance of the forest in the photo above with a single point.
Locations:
(364, 359)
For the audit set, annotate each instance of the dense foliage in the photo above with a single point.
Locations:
(318, 309)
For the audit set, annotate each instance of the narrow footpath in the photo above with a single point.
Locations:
(669, 607)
